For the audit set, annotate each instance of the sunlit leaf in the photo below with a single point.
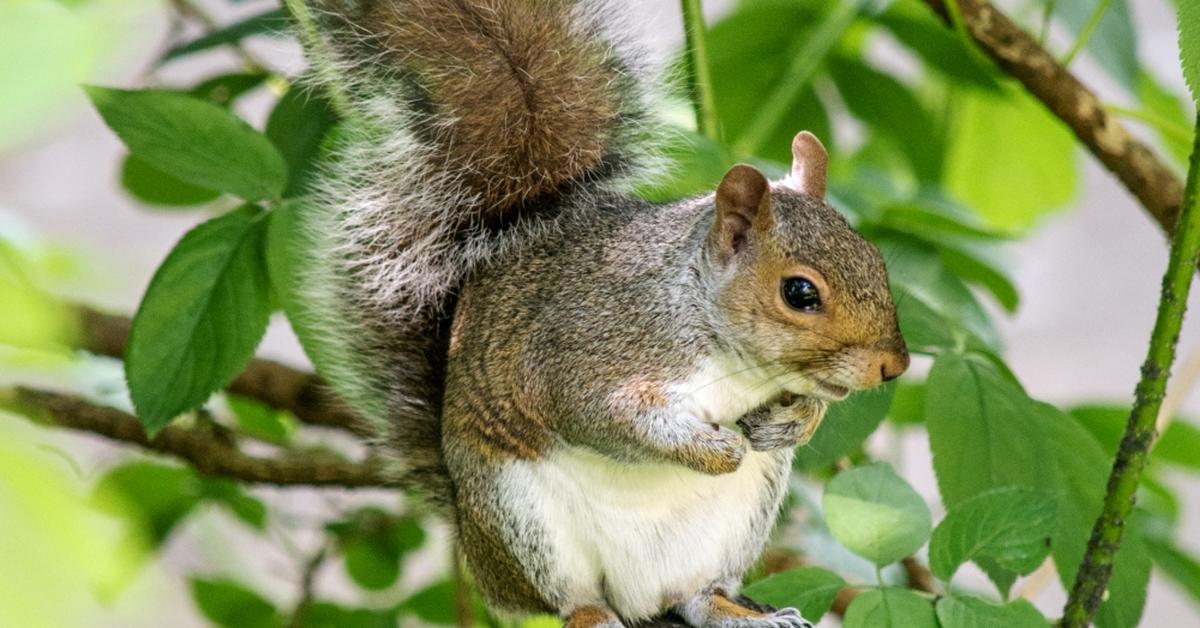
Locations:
(889, 608)
(1009, 158)
(955, 611)
(876, 514)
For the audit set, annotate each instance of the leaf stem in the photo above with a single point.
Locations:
(699, 74)
(1164, 125)
(1047, 18)
(316, 45)
(1086, 33)
(1095, 570)
(798, 76)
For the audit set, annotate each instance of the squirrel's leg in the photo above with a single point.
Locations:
(593, 617)
(716, 609)
(783, 425)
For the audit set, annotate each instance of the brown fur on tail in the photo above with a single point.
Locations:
(523, 98)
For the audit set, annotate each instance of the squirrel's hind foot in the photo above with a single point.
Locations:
(716, 610)
(593, 617)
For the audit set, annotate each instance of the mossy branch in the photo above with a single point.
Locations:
(1091, 581)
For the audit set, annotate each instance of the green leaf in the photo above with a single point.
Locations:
(1113, 44)
(846, 426)
(982, 430)
(329, 615)
(889, 608)
(258, 420)
(298, 126)
(939, 48)
(155, 187)
(811, 590)
(194, 141)
(1011, 526)
(908, 403)
(876, 514)
(1173, 117)
(273, 22)
(231, 495)
(926, 290)
(955, 611)
(890, 109)
(201, 318)
(231, 605)
(1083, 476)
(373, 543)
(1182, 568)
(1009, 158)
(434, 604)
(1177, 445)
(749, 54)
(155, 497)
(226, 88)
(972, 268)
(1189, 44)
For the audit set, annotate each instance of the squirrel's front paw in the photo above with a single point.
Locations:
(716, 450)
(784, 425)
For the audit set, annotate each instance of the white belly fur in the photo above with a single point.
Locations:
(638, 536)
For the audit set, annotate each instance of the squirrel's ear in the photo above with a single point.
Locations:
(743, 202)
(810, 163)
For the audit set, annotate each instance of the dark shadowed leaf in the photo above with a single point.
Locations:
(271, 22)
(297, 126)
(155, 187)
(231, 605)
(434, 604)
(846, 426)
(157, 497)
(201, 318)
(330, 615)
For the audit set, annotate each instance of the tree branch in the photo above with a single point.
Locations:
(1019, 55)
(204, 450)
(279, 386)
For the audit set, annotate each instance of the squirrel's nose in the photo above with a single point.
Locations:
(892, 363)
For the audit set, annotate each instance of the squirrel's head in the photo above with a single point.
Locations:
(802, 291)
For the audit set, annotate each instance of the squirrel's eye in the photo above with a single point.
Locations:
(801, 294)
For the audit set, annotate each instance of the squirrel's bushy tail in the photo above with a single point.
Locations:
(472, 118)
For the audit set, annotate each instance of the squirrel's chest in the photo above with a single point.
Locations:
(722, 389)
(645, 533)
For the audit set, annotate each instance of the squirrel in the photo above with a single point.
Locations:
(601, 394)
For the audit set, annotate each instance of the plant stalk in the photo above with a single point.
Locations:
(798, 76)
(1086, 33)
(1091, 581)
(699, 75)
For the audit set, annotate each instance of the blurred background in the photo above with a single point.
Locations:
(1087, 268)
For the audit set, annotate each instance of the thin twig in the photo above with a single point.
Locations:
(1091, 581)
(307, 580)
(209, 454)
